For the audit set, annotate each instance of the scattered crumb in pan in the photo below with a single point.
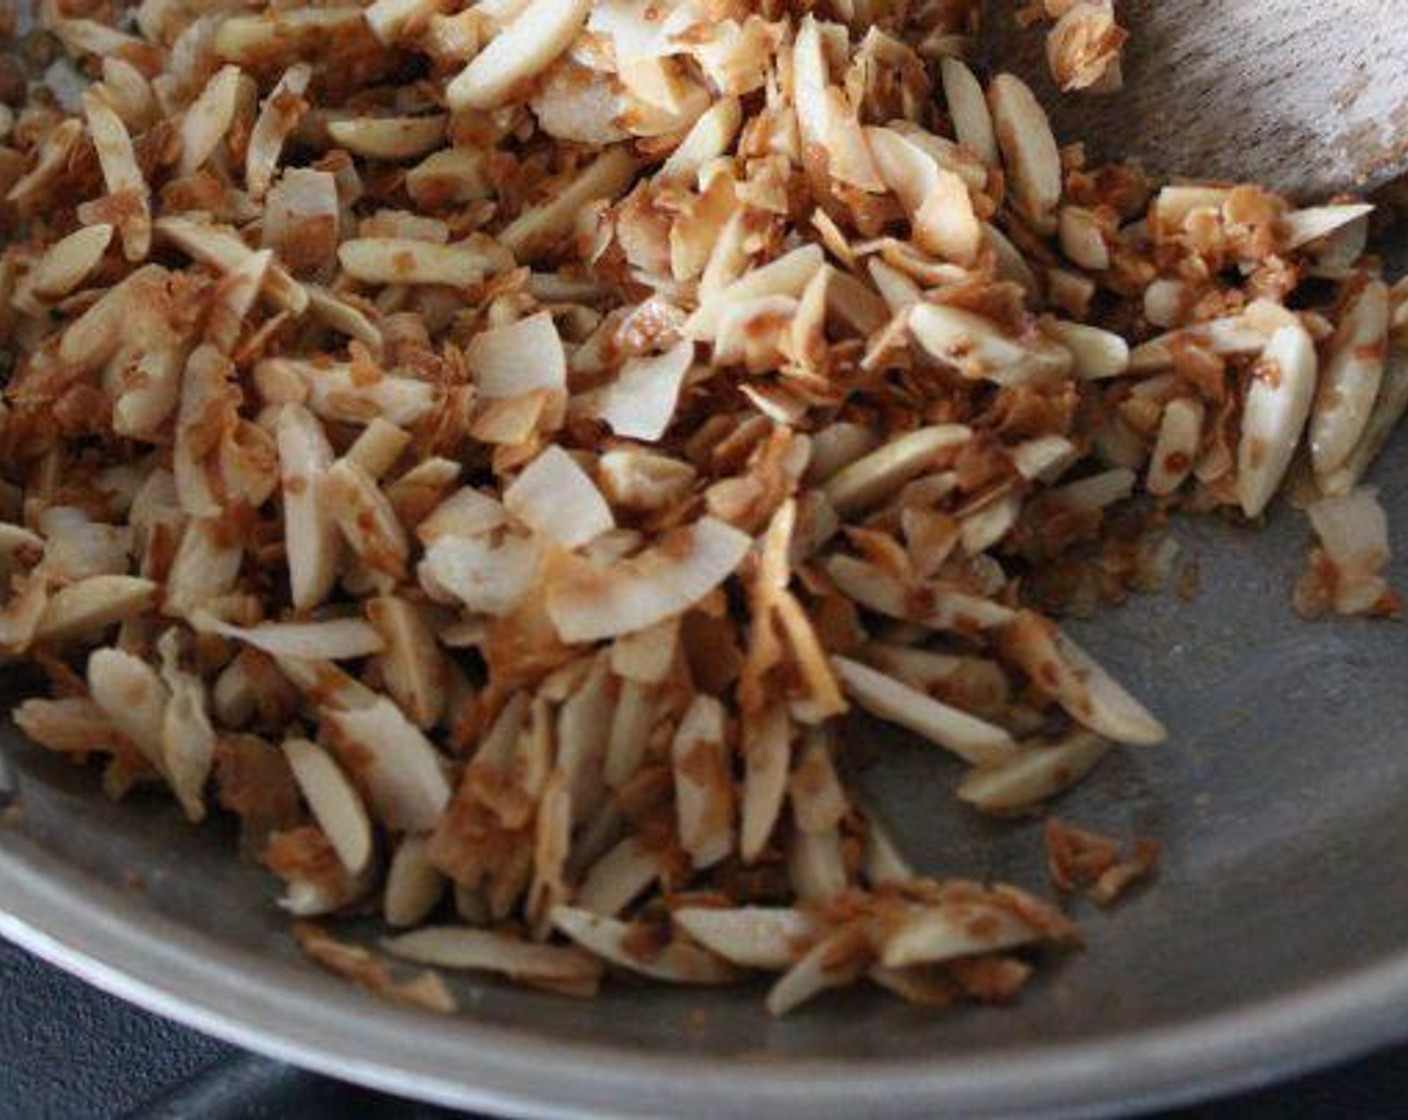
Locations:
(1079, 859)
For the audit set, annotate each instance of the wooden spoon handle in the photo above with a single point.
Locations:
(1307, 98)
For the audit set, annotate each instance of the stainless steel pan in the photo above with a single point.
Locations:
(1276, 938)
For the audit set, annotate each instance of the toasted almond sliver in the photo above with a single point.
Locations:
(338, 639)
(1039, 772)
(975, 740)
(769, 938)
(209, 118)
(609, 939)
(703, 787)
(874, 477)
(400, 260)
(389, 138)
(833, 962)
(618, 878)
(540, 32)
(121, 174)
(931, 934)
(86, 608)
(336, 805)
(1077, 682)
(979, 350)
(537, 228)
(414, 885)
(68, 262)
(131, 694)
(399, 768)
(278, 117)
(449, 176)
(221, 247)
(1274, 415)
(1349, 382)
(1029, 149)
(460, 947)
(311, 538)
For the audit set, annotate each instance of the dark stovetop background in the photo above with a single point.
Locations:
(69, 1052)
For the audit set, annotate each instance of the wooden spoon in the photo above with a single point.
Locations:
(1308, 98)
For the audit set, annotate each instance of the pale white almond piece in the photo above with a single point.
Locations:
(979, 350)
(703, 785)
(1274, 415)
(222, 248)
(397, 765)
(209, 118)
(1349, 382)
(403, 260)
(338, 639)
(1077, 682)
(557, 499)
(973, 739)
(121, 174)
(187, 739)
(480, 950)
(412, 667)
(86, 608)
(710, 137)
(967, 105)
(1038, 772)
(1097, 354)
(538, 228)
(336, 805)
(1312, 223)
(767, 757)
(873, 478)
(414, 885)
(930, 934)
(540, 32)
(1383, 421)
(278, 118)
(389, 138)
(1029, 150)
(131, 694)
(835, 961)
(618, 878)
(677, 962)
(764, 937)
(1176, 447)
(449, 177)
(68, 262)
(390, 19)
(310, 534)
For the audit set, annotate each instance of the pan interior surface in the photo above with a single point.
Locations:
(1278, 799)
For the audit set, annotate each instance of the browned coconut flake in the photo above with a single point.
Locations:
(511, 493)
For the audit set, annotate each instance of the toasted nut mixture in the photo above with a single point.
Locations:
(498, 452)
